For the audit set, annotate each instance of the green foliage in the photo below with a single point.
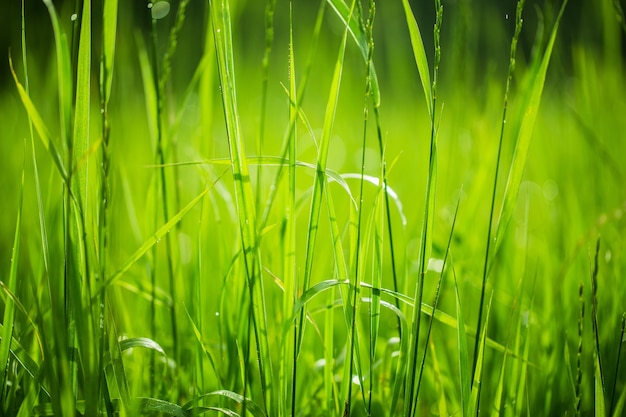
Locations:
(154, 265)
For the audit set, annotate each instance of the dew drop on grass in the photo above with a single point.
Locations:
(550, 190)
(159, 10)
(74, 17)
(435, 265)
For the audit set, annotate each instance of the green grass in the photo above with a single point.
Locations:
(313, 208)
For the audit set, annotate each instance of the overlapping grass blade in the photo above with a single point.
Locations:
(436, 300)
(474, 399)
(252, 407)
(9, 305)
(620, 341)
(349, 298)
(40, 127)
(358, 32)
(320, 176)
(64, 72)
(598, 375)
(220, 16)
(412, 391)
(289, 358)
(488, 257)
(465, 367)
(155, 238)
(523, 133)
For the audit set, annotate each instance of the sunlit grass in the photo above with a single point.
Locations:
(303, 209)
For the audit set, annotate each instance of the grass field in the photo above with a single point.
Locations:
(301, 208)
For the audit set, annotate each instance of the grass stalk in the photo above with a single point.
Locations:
(429, 205)
(220, 14)
(518, 29)
(161, 194)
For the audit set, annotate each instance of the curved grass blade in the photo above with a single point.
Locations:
(40, 126)
(152, 406)
(251, 406)
(142, 342)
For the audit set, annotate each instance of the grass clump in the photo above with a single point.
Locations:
(307, 208)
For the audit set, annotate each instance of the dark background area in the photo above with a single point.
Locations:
(485, 26)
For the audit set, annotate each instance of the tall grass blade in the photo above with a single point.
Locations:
(9, 306)
(436, 301)
(598, 376)
(523, 134)
(109, 33)
(220, 15)
(486, 265)
(412, 391)
(419, 54)
(64, 72)
(320, 176)
(40, 127)
(465, 369)
(617, 364)
(473, 405)
(359, 33)
(290, 358)
(82, 116)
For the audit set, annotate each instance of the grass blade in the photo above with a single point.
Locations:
(9, 306)
(465, 368)
(474, 400)
(419, 54)
(220, 16)
(154, 239)
(523, 134)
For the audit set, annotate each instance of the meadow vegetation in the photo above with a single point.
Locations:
(313, 208)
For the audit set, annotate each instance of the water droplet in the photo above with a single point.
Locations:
(160, 9)
(73, 17)
(217, 313)
(149, 5)
(506, 16)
